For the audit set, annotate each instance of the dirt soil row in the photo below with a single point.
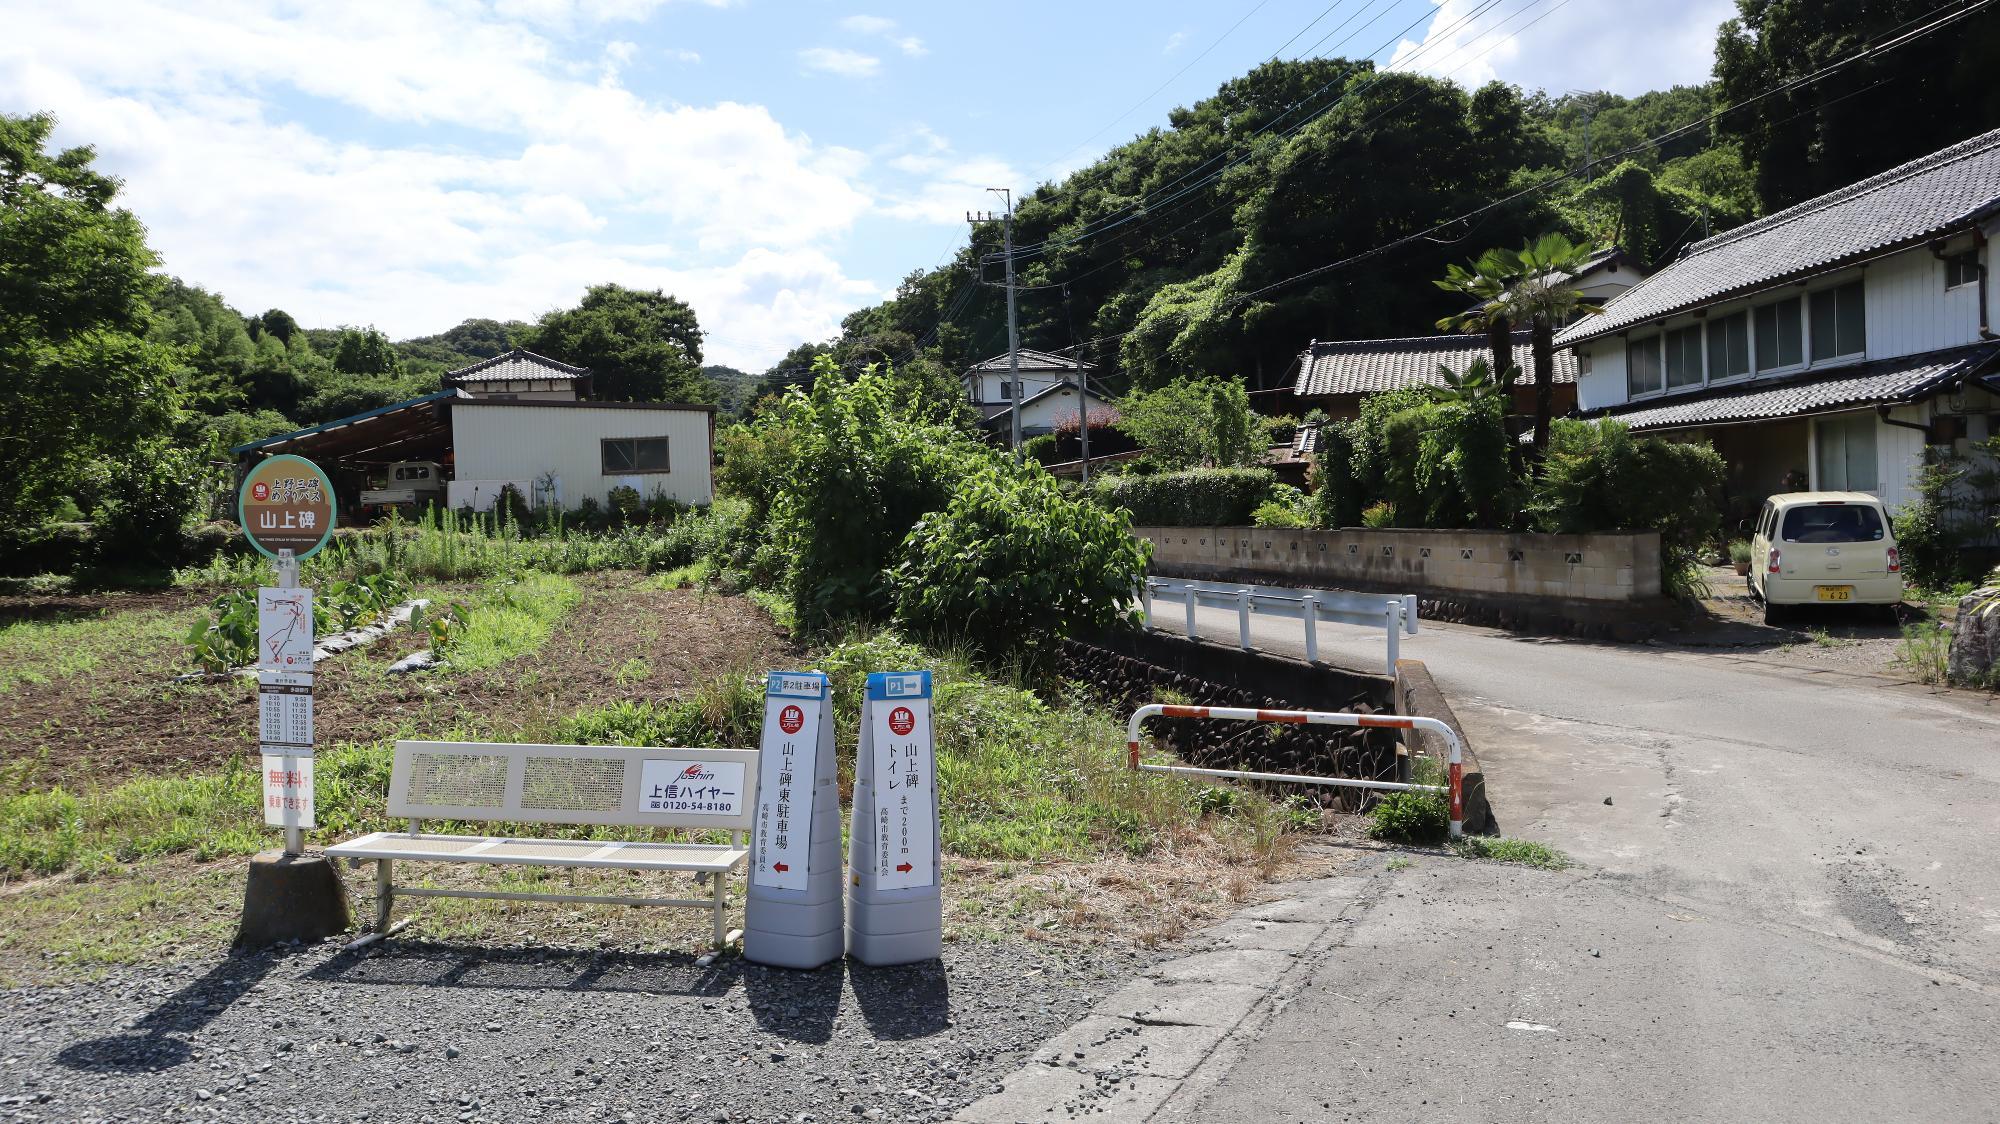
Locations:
(625, 640)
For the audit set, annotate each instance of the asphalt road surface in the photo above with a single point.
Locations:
(1786, 904)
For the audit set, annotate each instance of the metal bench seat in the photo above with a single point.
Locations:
(698, 858)
(671, 789)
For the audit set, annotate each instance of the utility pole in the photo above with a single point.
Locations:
(1083, 417)
(1013, 322)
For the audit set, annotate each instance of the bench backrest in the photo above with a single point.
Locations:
(690, 789)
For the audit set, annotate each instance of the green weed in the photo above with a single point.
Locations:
(39, 651)
(1925, 651)
(1524, 852)
(1410, 817)
(513, 618)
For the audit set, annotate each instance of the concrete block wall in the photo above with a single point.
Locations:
(1608, 567)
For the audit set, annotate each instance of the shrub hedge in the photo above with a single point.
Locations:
(1196, 497)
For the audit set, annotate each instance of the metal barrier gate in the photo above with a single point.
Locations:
(1395, 616)
(1455, 772)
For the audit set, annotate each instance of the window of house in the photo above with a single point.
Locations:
(1838, 322)
(1961, 268)
(1683, 357)
(1780, 338)
(1729, 346)
(1582, 363)
(1847, 453)
(1642, 367)
(626, 455)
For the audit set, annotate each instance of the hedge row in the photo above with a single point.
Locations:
(1197, 497)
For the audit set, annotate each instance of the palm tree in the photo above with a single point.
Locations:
(1543, 296)
(1527, 286)
(1487, 282)
(1472, 386)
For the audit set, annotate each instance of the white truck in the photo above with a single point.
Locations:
(411, 485)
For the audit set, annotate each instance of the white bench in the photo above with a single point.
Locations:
(684, 789)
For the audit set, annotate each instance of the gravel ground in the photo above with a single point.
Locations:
(426, 1032)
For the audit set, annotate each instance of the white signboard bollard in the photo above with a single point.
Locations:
(895, 913)
(791, 911)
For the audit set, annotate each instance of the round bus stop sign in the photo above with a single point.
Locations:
(286, 504)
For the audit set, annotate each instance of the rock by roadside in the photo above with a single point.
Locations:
(429, 1032)
(1975, 638)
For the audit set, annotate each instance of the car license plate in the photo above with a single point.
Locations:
(1834, 592)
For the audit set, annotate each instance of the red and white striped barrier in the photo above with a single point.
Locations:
(1453, 789)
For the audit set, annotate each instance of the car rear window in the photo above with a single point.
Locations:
(1841, 522)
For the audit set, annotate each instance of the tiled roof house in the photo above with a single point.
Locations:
(1828, 345)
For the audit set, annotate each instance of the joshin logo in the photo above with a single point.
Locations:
(791, 719)
(696, 772)
(901, 721)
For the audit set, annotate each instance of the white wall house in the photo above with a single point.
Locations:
(584, 448)
(986, 382)
(1048, 410)
(1825, 346)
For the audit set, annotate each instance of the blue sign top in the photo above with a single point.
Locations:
(899, 684)
(796, 685)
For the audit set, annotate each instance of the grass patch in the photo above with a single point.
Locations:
(513, 618)
(1422, 818)
(35, 652)
(778, 606)
(694, 573)
(1924, 651)
(1523, 852)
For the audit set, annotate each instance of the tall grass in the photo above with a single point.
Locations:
(468, 548)
(1022, 777)
(513, 619)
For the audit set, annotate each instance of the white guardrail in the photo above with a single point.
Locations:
(1455, 772)
(1394, 615)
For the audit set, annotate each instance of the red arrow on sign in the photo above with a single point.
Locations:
(904, 867)
(780, 867)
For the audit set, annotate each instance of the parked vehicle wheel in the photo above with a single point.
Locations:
(1771, 614)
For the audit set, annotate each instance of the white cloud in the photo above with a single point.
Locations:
(1651, 44)
(564, 179)
(1174, 42)
(884, 28)
(841, 61)
(868, 25)
(682, 54)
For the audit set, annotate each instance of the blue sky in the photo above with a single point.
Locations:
(777, 163)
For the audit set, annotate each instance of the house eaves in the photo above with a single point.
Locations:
(1935, 196)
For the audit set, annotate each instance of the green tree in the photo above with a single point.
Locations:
(80, 384)
(1865, 117)
(365, 351)
(1191, 422)
(1485, 284)
(1544, 298)
(640, 345)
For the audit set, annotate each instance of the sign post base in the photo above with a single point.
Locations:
(291, 898)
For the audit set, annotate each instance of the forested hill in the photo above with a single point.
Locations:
(1177, 252)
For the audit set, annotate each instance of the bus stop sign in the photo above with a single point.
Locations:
(286, 503)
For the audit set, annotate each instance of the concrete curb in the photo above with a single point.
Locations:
(1418, 694)
(1151, 1044)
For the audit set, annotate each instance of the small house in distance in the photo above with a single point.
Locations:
(1048, 393)
(517, 419)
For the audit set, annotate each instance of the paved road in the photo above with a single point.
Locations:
(1793, 898)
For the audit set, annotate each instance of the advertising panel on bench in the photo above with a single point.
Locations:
(691, 787)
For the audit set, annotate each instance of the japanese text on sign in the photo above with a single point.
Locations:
(794, 715)
(700, 788)
(905, 781)
(285, 709)
(288, 788)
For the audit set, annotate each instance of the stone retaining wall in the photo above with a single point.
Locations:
(1607, 569)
